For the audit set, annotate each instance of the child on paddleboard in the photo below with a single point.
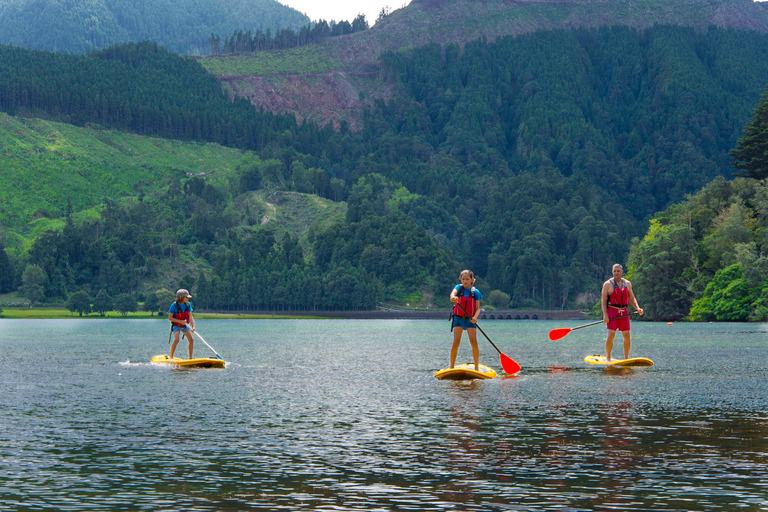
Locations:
(465, 312)
(182, 321)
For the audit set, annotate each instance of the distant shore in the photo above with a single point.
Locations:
(393, 314)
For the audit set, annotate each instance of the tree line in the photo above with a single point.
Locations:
(283, 39)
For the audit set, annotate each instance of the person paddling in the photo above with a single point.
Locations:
(617, 295)
(467, 297)
(182, 321)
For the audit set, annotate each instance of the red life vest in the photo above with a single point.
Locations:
(619, 297)
(469, 303)
(181, 313)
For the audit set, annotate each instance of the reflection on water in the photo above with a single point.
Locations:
(347, 416)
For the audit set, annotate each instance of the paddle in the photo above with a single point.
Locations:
(509, 364)
(207, 345)
(556, 334)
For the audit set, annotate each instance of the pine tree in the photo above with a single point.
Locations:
(751, 151)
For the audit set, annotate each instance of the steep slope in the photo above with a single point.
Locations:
(351, 62)
(182, 26)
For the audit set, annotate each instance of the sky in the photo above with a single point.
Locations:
(343, 9)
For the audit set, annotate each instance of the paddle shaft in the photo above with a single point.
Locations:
(207, 345)
(481, 330)
(601, 321)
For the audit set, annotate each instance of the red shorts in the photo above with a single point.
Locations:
(618, 324)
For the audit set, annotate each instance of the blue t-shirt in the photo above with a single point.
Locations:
(467, 291)
(175, 309)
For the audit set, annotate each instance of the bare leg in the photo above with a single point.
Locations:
(457, 332)
(609, 344)
(175, 342)
(627, 344)
(191, 343)
(472, 333)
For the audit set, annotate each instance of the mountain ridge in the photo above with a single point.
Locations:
(422, 22)
(183, 26)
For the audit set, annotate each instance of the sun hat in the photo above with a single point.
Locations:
(183, 293)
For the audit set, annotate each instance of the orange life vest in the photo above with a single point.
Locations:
(181, 312)
(619, 297)
(469, 303)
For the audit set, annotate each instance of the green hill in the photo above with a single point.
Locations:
(182, 26)
(45, 165)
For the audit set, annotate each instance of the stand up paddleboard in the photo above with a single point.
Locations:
(203, 362)
(466, 372)
(633, 361)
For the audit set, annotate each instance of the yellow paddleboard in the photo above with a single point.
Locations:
(633, 361)
(465, 372)
(203, 362)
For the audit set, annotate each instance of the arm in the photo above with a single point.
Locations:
(604, 300)
(454, 295)
(477, 312)
(191, 321)
(633, 300)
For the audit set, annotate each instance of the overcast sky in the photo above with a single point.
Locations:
(343, 9)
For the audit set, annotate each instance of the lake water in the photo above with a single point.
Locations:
(346, 415)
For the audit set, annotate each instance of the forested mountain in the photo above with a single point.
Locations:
(350, 62)
(533, 160)
(182, 26)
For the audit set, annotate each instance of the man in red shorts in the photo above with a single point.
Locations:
(617, 295)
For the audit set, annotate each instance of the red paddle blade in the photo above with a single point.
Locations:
(556, 334)
(509, 365)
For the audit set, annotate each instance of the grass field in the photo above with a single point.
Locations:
(311, 59)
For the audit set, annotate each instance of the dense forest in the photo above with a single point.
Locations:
(705, 258)
(532, 160)
(182, 26)
(358, 262)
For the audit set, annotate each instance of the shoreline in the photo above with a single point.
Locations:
(20, 313)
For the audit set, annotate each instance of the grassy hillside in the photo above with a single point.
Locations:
(303, 60)
(46, 164)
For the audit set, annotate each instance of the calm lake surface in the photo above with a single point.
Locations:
(346, 415)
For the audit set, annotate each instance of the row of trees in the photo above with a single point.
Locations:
(124, 303)
(312, 33)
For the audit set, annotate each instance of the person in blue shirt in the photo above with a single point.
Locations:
(182, 321)
(465, 312)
